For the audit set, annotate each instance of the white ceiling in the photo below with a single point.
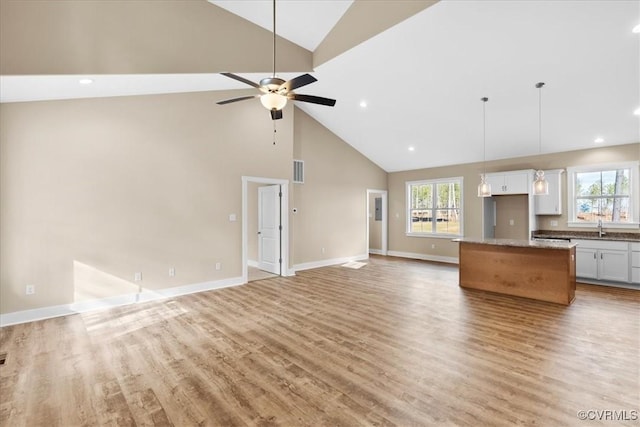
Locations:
(423, 79)
(304, 22)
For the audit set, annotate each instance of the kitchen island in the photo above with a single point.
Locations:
(540, 270)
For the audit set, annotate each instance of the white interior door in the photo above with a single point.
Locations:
(269, 228)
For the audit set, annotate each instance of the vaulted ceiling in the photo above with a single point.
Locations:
(421, 67)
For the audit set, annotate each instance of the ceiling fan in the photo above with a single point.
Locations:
(274, 91)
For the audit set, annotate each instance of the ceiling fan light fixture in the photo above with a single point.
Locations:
(273, 101)
(274, 91)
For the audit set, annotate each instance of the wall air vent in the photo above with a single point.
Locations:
(298, 171)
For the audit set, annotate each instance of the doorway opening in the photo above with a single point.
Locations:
(265, 227)
(377, 222)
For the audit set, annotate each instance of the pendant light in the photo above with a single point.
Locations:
(484, 188)
(540, 185)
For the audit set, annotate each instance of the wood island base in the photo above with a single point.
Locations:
(523, 269)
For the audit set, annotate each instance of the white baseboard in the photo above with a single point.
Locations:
(634, 286)
(436, 258)
(328, 262)
(376, 251)
(287, 272)
(84, 306)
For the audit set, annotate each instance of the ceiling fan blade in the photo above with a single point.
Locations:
(276, 114)
(242, 98)
(241, 79)
(313, 99)
(297, 82)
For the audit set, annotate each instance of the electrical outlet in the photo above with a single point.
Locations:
(172, 272)
(433, 246)
(30, 289)
(554, 223)
(511, 222)
(322, 250)
(137, 277)
(218, 265)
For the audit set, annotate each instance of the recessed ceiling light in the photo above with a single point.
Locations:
(363, 104)
(636, 29)
(637, 112)
(598, 140)
(412, 148)
(85, 81)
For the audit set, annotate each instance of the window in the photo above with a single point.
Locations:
(606, 193)
(434, 207)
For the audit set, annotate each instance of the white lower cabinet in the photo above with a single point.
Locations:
(614, 265)
(602, 260)
(635, 262)
(586, 263)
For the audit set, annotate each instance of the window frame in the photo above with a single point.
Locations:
(634, 194)
(433, 182)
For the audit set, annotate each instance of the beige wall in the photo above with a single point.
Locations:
(619, 153)
(108, 37)
(472, 204)
(512, 208)
(332, 202)
(95, 190)
(375, 227)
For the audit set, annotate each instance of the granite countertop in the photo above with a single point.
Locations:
(587, 235)
(520, 243)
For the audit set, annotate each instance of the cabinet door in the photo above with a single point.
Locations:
(517, 183)
(613, 265)
(550, 204)
(587, 263)
(497, 183)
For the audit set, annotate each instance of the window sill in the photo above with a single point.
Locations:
(630, 225)
(434, 236)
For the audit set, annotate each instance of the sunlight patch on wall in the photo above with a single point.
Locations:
(89, 283)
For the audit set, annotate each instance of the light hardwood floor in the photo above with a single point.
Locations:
(394, 343)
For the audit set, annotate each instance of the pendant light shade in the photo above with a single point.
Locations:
(540, 185)
(484, 188)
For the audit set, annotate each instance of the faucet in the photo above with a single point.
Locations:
(600, 232)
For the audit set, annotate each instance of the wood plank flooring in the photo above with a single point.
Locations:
(396, 342)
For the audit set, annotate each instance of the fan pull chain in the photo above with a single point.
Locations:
(274, 132)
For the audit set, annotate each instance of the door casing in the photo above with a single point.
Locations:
(284, 247)
(269, 224)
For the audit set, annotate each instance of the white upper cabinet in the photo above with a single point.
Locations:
(551, 204)
(514, 182)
